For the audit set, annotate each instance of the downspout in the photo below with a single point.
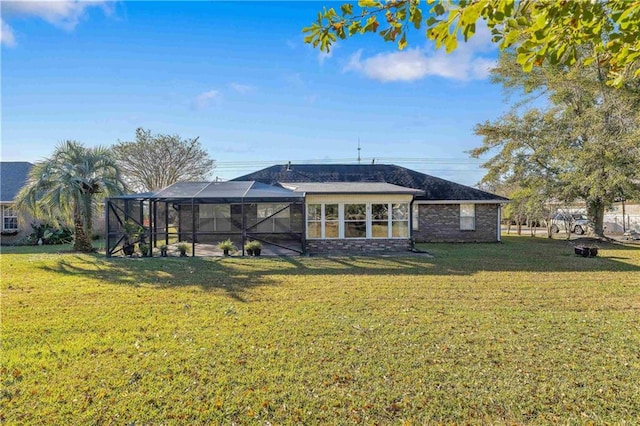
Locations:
(499, 232)
(304, 225)
(411, 240)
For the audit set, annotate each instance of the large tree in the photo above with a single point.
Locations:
(153, 162)
(542, 30)
(569, 136)
(68, 187)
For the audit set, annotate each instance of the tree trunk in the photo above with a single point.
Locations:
(595, 212)
(80, 242)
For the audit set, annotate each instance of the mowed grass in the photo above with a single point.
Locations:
(512, 333)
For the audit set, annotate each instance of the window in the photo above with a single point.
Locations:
(415, 217)
(467, 217)
(273, 218)
(400, 221)
(323, 221)
(9, 219)
(380, 220)
(214, 218)
(331, 221)
(375, 220)
(314, 221)
(355, 220)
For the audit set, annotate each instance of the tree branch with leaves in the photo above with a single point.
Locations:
(153, 162)
(539, 30)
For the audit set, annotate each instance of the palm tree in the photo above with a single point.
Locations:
(68, 186)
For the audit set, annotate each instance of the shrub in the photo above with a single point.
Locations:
(227, 245)
(49, 234)
(183, 248)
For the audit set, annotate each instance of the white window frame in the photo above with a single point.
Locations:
(9, 212)
(465, 215)
(320, 221)
(369, 221)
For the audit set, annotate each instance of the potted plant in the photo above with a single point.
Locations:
(257, 248)
(131, 231)
(253, 248)
(163, 250)
(144, 249)
(226, 246)
(248, 248)
(183, 248)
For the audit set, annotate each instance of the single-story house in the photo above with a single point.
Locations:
(312, 208)
(13, 176)
(441, 210)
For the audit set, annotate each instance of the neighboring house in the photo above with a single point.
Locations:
(313, 208)
(13, 175)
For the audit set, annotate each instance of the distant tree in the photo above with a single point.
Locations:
(68, 187)
(583, 144)
(542, 30)
(153, 162)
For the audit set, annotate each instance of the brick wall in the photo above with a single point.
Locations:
(441, 223)
(355, 246)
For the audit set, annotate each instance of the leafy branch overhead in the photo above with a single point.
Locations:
(539, 30)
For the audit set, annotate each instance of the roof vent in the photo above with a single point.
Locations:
(289, 166)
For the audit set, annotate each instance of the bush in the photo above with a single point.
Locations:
(183, 248)
(227, 245)
(49, 234)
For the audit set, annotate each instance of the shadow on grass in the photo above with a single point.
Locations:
(206, 273)
(237, 276)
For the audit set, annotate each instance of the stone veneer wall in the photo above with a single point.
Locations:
(441, 223)
(358, 245)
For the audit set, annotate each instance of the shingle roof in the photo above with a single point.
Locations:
(13, 176)
(349, 188)
(435, 189)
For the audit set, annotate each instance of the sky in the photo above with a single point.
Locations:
(239, 76)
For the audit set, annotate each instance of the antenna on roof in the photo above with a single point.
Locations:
(289, 166)
(358, 150)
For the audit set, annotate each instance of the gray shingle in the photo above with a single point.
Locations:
(435, 189)
(13, 176)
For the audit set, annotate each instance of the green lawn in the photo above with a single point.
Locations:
(519, 332)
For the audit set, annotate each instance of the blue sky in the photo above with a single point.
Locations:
(239, 76)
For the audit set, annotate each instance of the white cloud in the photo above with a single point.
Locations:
(203, 100)
(64, 14)
(243, 89)
(6, 35)
(463, 64)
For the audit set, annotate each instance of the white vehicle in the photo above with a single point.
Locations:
(577, 223)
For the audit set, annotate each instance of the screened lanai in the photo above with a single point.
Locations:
(203, 214)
